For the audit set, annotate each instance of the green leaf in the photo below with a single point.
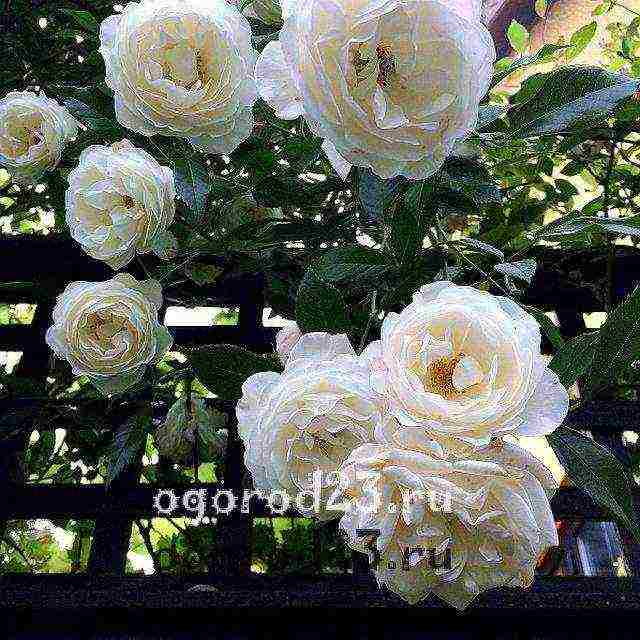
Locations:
(192, 183)
(583, 224)
(223, 368)
(466, 180)
(602, 8)
(276, 192)
(482, 247)
(40, 453)
(617, 347)
(523, 270)
(91, 118)
(619, 226)
(581, 39)
(320, 306)
(595, 470)
(128, 444)
(202, 273)
(84, 19)
(540, 7)
(545, 54)
(406, 228)
(566, 97)
(376, 194)
(548, 327)
(352, 264)
(518, 36)
(574, 358)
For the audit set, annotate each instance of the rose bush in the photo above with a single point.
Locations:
(34, 130)
(182, 68)
(516, 195)
(120, 202)
(109, 331)
(392, 86)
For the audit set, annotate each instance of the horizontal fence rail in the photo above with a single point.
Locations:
(151, 592)
(90, 501)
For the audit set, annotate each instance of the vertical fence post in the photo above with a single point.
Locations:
(232, 554)
(111, 535)
(234, 530)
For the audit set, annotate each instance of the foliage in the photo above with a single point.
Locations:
(553, 167)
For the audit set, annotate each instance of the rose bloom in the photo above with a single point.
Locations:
(120, 202)
(308, 418)
(393, 86)
(182, 68)
(461, 363)
(109, 331)
(451, 527)
(34, 130)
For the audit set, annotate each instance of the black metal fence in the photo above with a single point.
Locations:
(570, 285)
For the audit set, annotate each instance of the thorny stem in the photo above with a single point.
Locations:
(367, 328)
(146, 538)
(188, 388)
(611, 247)
(470, 262)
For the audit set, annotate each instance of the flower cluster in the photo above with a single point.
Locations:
(393, 86)
(182, 68)
(424, 409)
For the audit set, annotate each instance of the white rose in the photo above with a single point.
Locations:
(308, 418)
(176, 437)
(120, 202)
(394, 86)
(34, 130)
(451, 527)
(182, 68)
(109, 331)
(464, 364)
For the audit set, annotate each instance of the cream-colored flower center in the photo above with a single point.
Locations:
(386, 63)
(439, 376)
(184, 66)
(326, 443)
(331, 445)
(128, 202)
(452, 376)
(103, 326)
(21, 136)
